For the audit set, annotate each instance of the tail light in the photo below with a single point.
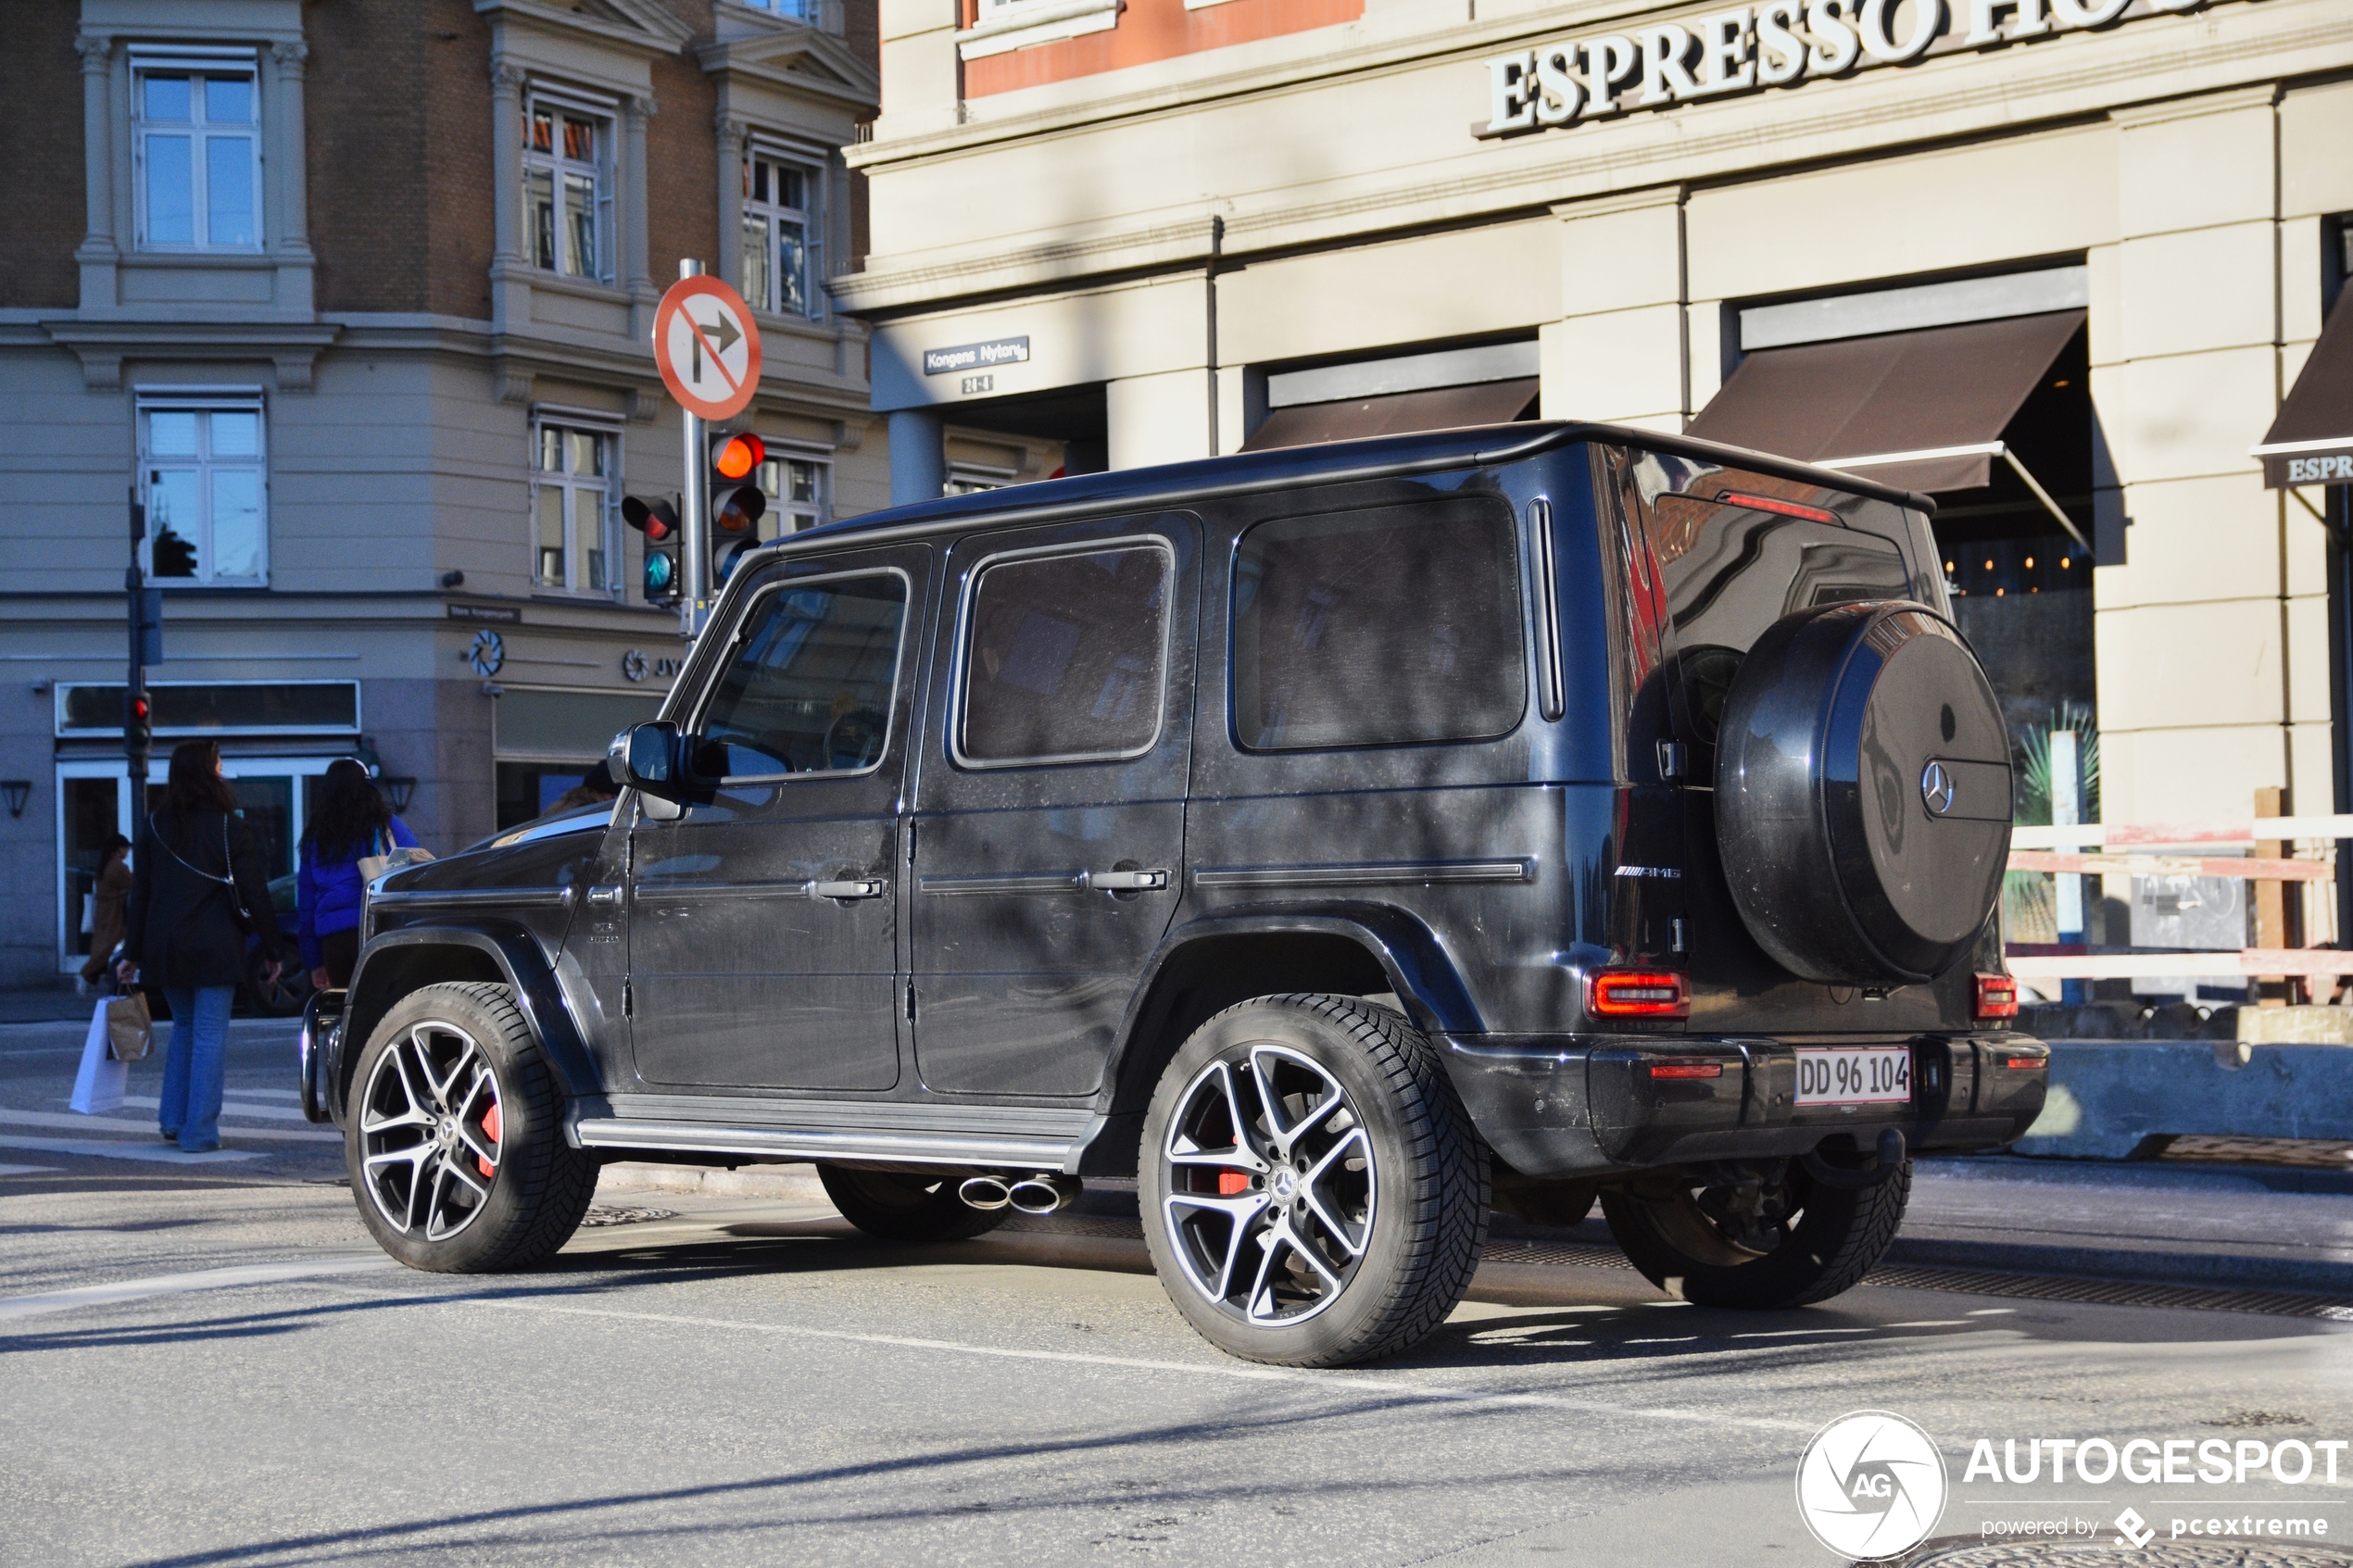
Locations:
(1996, 997)
(1687, 1069)
(2026, 1064)
(1637, 993)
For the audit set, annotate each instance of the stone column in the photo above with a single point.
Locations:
(505, 158)
(730, 259)
(287, 139)
(1619, 352)
(918, 457)
(635, 110)
(99, 252)
(509, 270)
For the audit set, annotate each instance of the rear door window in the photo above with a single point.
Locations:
(1385, 626)
(1065, 656)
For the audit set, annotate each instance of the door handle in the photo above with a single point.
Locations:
(1127, 881)
(604, 894)
(862, 888)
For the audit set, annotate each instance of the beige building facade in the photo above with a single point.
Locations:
(2080, 250)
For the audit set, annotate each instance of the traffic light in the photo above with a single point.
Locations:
(658, 521)
(138, 720)
(737, 501)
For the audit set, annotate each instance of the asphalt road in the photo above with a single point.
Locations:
(209, 1364)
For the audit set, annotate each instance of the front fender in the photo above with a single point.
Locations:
(399, 961)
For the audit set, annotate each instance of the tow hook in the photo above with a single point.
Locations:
(1890, 1160)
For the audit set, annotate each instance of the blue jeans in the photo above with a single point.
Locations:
(195, 1063)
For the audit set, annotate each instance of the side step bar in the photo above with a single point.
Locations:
(794, 1143)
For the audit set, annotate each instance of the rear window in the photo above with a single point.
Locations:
(1065, 656)
(1388, 626)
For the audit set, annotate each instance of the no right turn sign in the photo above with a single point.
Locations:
(708, 347)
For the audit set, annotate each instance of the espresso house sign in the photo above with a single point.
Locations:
(1775, 45)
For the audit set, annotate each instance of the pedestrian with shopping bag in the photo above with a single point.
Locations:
(351, 838)
(196, 894)
(107, 900)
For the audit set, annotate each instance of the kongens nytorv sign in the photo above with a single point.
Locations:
(1749, 47)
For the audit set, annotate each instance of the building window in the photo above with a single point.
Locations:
(795, 10)
(782, 248)
(567, 196)
(571, 505)
(196, 147)
(970, 479)
(799, 495)
(203, 474)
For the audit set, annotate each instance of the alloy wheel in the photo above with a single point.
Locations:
(1271, 1186)
(429, 1129)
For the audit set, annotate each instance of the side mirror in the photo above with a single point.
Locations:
(646, 757)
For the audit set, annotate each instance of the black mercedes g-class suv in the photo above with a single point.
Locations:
(1343, 842)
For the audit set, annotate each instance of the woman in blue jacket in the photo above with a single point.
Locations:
(351, 822)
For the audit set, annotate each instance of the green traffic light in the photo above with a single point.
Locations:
(659, 571)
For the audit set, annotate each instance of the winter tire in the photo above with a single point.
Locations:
(897, 1206)
(455, 1137)
(1807, 1243)
(1311, 1190)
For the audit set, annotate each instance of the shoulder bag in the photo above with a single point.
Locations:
(389, 857)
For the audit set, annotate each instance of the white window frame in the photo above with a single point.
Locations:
(598, 168)
(813, 165)
(787, 516)
(193, 62)
(201, 401)
(971, 479)
(1003, 26)
(607, 429)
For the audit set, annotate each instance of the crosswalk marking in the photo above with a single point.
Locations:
(174, 1285)
(68, 1121)
(228, 1107)
(25, 1170)
(94, 1148)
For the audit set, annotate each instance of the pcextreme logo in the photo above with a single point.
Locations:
(1870, 1485)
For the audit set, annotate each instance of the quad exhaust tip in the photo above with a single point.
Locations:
(1041, 1193)
(986, 1193)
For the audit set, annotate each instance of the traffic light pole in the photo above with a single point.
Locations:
(137, 727)
(694, 586)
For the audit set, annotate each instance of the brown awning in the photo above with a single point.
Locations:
(1922, 411)
(1396, 413)
(2311, 442)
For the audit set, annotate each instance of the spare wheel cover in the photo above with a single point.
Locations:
(1863, 794)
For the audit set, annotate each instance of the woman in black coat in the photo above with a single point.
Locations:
(196, 894)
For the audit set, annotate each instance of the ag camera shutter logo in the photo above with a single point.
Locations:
(1870, 1485)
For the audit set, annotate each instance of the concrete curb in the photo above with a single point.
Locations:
(2213, 1270)
(786, 1183)
(2109, 1099)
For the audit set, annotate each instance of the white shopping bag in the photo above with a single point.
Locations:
(99, 1085)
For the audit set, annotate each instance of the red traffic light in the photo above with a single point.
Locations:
(739, 455)
(658, 521)
(139, 707)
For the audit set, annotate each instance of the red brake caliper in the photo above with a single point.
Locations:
(1232, 1183)
(490, 1129)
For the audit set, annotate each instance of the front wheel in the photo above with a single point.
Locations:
(1786, 1243)
(454, 1137)
(1313, 1192)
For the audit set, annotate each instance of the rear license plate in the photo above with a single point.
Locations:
(1868, 1076)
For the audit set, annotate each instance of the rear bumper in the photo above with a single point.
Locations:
(1580, 1105)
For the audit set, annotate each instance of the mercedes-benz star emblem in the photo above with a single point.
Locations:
(1936, 788)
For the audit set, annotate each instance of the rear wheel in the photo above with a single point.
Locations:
(454, 1138)
(1311, 1190)
(1781, 1243)
(897, 1206)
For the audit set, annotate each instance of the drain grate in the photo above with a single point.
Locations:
(1966, 1282)
(601, 1214)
